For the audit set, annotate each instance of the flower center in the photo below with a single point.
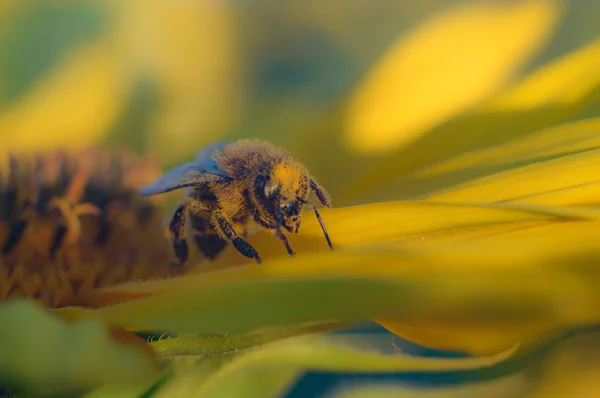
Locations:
(72, 223)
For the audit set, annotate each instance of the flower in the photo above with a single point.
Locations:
(467, 224)
(73, 222)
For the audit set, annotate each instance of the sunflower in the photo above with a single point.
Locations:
(73, 223)
(465, 191)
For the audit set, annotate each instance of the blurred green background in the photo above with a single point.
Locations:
(165, 78)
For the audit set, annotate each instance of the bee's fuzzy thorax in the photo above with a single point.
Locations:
(290, 175)
(73, 222)
(246, 158)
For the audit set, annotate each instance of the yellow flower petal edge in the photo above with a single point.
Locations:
(41, 352)
(544, 99)
(559, 160)
(567, 180)
(564, 82)
(450, 63)
(448, 336)
(569, 370)
(553, 142)
(261, 368)
(414, 220)
(566, 237)
(419, 223)
(498, 294)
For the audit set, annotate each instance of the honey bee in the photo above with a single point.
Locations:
(232, 184)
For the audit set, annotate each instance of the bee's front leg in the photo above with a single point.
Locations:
(177, 229)
(285, 241)
(224, 228)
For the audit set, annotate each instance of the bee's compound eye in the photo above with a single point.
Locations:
(290, 208)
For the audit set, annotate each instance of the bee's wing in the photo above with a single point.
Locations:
(183, 176)
(204, 169)
(205, 160)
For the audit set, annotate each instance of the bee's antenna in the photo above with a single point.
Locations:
(320, 221)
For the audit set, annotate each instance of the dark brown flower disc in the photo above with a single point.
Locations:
(72, 222)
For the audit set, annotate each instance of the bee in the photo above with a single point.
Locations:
(232, 184)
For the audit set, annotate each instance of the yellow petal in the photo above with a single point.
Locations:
(564, 82)
(556, 93)
(268, 370)
(445, 66)
(468, 286)
(572, 370)
(567, 180)
(574, 238)
(546, 144)
(87, 89)
(479, 296)
(569, 238)
(448, 336)
(213, 345)
(416, 223)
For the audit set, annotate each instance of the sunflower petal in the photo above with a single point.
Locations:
(410, 92)
(559, 92)
(474, 308)
(572, 370)
(421, 223)
(40, 351)
(268, 370)
(136, 391)
(546, 144)
(569, 369)
(222, 344)
(418, 222)
(571, 179)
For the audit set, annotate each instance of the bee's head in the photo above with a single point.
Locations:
(282, 192)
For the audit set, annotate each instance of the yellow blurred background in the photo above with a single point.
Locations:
(343, 84)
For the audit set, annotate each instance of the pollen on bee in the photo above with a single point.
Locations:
(290, 174)
(73, 222)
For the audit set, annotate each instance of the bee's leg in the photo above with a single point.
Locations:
(246, 249)
(224, 227)
(207, 239)
(177, 228)
(285, 241)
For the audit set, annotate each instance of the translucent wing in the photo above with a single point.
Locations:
(205, 160)
(204, 169)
